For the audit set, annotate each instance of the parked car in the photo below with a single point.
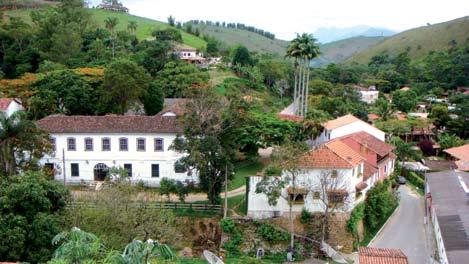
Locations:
(401, 180)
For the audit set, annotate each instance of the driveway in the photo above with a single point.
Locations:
(406, 229)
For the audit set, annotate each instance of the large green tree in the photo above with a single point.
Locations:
(124, 82)
(63, 92)
(177, 77)
(30, 206)
(152, 99)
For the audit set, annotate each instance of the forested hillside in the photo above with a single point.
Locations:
(420, 41)
(338, 51)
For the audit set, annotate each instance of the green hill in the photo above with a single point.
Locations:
(252, 41)
(338, 51)
(419, 41)
(144, 28)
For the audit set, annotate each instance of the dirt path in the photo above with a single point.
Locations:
(197, 197)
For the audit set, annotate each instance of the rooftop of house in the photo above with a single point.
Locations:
(373, 117)
(177, 106)
(5, 102)
(341, 121)
(368, 255)
(183, 47)
(370, 142)
(461, 153)
(110, 124)
(331, 155)
(450, 199)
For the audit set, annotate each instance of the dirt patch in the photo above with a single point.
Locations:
(199, 234)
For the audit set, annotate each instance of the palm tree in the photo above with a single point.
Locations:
(111, 23)
(303, 49)
(14, 130)
(132, 27)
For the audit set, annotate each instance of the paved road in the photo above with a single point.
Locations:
(406, 229)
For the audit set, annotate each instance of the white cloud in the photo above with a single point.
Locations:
(285, 18)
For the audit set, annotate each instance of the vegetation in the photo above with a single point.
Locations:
(30, 216)
(419, 41)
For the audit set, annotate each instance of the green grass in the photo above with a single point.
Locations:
(252, 41)
(420, 40)
(242, 170)
(217, 76)
(145, 26)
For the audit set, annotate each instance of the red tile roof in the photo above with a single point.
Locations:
(461, 152)
(370, 142)
(341, 121)
(109, 124)
(369, 255)
(368, 170)
(5, 102)
(373, 117)
(345, 152)
(330, 156)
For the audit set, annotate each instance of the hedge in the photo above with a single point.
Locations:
(416, 180)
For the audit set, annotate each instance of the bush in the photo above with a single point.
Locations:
(305, 216)
(426, 146)
(272, 170)
(357, 214)
(271, 234)
(227, 225)
(379, 205)
(415, 179)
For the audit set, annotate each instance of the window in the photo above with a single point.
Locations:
(75, 170)
(316, 195)
(179, 167)
(53, 144)
(334, 174)
(88, 144)
(155, 170)
(128, 167)
(106, 144)
(385, 169)
(297, 195)
(140, 144)
(336, 196)
(159, 144)
(123, 144)
(71, 144)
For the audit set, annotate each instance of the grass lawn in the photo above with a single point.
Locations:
(242, 170)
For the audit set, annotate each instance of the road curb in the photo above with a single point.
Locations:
(384, 225)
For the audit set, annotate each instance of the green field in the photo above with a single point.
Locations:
(419, 41)
(144, 29)
(252, 41)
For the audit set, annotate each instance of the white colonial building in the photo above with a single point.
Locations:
(333, 173)
(346, 125)
(86, 147)
(10, 106)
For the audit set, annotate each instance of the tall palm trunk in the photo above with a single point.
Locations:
(307, 87)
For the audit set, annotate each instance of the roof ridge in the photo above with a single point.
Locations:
(346, 146)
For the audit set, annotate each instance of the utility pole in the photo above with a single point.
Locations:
(225, 209)
(63, 164)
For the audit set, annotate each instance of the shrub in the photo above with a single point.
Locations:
(379, 205)
(271, 234)
(358, 213)
(272, 170)
(227, 225)
(416, 180)
(305, 216)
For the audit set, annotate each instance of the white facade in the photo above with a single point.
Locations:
(357, 126)
(13, 107)
(369, 97)
(142, 162)
(309, 180)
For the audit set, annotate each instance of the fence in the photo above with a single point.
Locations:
(199, 207)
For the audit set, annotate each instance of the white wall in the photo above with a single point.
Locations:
(141, 160)
(13, 107)
(369, 97)
(258, 206)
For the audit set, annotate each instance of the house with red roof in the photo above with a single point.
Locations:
(342, 170)
(368, 255)
(346, 125)
(461, 155)
(10, 105)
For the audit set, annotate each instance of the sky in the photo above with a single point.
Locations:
(285, 18)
